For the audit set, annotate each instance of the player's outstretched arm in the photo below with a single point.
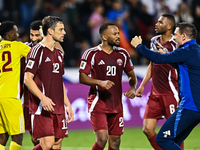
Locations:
(69, 110)
(85, 79)
(47, 103)
(133, 83)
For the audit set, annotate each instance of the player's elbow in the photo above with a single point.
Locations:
(27, 78)
(81, 79)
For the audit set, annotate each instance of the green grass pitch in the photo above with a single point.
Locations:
(133, 139)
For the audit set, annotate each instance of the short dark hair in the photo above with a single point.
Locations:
(50, 22)
(171, 18)
(105, 26)
(35, 25)
(5, 27)
(187, 28)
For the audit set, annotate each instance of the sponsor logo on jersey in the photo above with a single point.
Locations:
(47, 59)
(83, 64)
(119, 62)
(166, 133)
(30, 64)
(59, 58)
(101, 62)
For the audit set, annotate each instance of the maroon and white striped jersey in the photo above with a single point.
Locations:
(105, 66)
(164, 76)
(48, 68)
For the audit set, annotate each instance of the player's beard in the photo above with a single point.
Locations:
(36, 42)
(113, 43)
(160, 32)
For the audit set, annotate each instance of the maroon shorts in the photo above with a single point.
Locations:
(159, 106)
(50, 125)
(27, 118)
(113, 122)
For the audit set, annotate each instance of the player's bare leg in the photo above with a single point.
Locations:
(35, 142)
(114, 142)
(47, 142)
(149, 126)
(17, 138)
(4, 138)
(101, 137)
(58, 144)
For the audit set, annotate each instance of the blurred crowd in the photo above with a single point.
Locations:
(82, 19)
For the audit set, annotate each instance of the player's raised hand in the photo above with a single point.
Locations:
(70, 114)
(107, 84)
(139, 91)
(136, 41)
(130, 93)
(47, 104)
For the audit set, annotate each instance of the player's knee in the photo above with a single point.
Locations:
(17, 138)
(35, 142)
(148, 132)
(58, 143)
(115, 143)
(102, 140)
(4, 138)
(47, 145)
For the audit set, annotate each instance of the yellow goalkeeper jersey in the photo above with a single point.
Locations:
(10, 56)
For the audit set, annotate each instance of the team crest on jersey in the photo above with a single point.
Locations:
(119, 62)
(59, 58)
(83, 64)
(30, 64)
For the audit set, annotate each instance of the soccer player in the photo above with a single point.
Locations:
(163, 99)
(179, 125)
(106, 63)
(43, 77)
(36, 36)
(11, 111)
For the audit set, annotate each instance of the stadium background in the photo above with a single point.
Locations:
(133, 17)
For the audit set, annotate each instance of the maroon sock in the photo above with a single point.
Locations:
(182, 145)
(97, 147)
(153, 143)
(37, 147)
(109, 148)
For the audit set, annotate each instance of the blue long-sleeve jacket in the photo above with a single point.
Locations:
(187, 60)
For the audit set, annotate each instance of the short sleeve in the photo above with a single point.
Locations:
(24, 49)
(85, 65)
(33, 60)
(129, 65)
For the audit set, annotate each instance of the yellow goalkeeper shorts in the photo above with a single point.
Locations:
(11, 116)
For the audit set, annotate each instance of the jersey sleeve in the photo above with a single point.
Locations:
(128, 64)
(61, 54)
(33, 60)
(24, 49)
(85, 65)
(176, 56)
